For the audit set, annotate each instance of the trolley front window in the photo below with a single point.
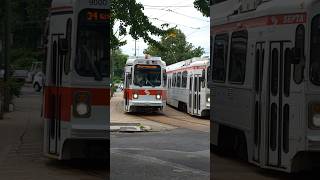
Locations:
(147, 75)
(315, 51)
(92, 42)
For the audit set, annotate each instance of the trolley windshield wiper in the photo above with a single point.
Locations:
(97, 75)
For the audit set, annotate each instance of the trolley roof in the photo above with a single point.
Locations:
(135, 59)
(233, 10)
(62, 3)
(196, 61)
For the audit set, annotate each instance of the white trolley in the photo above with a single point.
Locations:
(145, 81)
(187, 86)
(265, 81)
(76, 93)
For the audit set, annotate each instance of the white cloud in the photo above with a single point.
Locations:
(180, 13)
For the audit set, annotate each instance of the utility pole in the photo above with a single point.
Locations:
(6, 55)
(135, 48)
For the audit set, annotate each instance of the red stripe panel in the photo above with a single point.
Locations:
(186, 69)
(271, 20)
(99, 97)
(142, 92)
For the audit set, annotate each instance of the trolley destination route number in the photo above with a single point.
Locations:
(97, 16)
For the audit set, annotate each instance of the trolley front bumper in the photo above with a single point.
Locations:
(90, 131)
(313, 143)
(147, 103)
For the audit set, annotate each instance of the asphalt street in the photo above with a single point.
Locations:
(177, 147)
(176, 154)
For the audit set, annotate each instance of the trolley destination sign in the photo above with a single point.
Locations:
(97, 16)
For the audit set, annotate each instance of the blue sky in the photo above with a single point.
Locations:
(180, 13)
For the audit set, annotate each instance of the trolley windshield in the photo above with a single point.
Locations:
(91, 55)
(147, 75)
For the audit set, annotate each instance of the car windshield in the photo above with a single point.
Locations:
(91, 57)
(147, 75)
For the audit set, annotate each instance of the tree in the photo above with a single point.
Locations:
(119, 60)
(132, 21)
(203, 6)
(175, 48)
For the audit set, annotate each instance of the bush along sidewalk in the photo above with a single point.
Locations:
(10, 89)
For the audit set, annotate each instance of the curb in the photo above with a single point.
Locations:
(128, 127)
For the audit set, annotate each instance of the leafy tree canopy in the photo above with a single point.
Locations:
(176, 48)
(131, 20)
(119, 60)
(203, 6)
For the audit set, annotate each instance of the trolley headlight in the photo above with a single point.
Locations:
(82, 109)
(208, 98)
(314, 116)
(82, 105)
(158, 96)
(316, 120)
(135, 96)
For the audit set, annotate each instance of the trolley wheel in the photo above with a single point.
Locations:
(240, 146)
(225, 139)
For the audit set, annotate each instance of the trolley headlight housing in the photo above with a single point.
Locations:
(208, 98)
(135, 96)
(82, 105)
(314, 116)
(158, 96)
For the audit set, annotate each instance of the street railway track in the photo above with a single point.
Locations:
(170, 116)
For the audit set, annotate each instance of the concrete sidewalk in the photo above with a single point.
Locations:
(21, 144)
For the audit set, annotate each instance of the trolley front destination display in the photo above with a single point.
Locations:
(265, 85)
(77, 93)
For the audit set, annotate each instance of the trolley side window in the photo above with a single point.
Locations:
(92, 41)
(315, 53)
(174, 80)
(212, 2)
(179, 79)
(220, 54)
(68, 38)
(275, 72)
(287, 72)
(298, 74)
(238, 55)
(184, 79)
(164, 74)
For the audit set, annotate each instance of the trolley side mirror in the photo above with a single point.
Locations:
(296, 55)
(203, 77)
(63, 46)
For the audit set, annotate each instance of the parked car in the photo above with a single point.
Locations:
(35, 68)
(38, 81)
(20, 74)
